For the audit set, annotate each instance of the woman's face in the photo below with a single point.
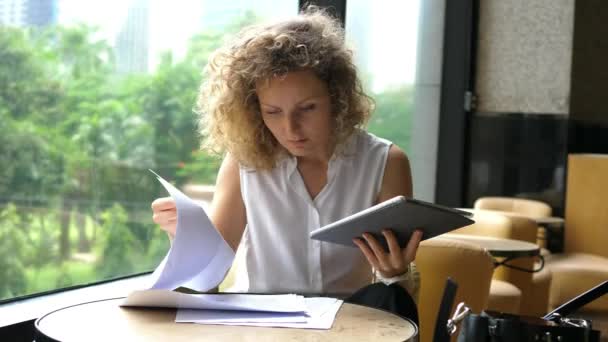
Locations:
(296, 108)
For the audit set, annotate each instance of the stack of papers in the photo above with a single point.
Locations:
(320, 314)
(197, 240)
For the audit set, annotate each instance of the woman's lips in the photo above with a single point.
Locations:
(298, 142)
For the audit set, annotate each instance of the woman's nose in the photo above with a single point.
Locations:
(292, 123)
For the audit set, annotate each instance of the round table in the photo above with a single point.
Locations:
(552, 232)
(504, 249)
(105, 320)
(499, 247)
(549, 221)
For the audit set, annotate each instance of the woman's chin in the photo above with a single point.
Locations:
(299, 152)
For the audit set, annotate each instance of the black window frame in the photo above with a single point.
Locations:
(457, 100)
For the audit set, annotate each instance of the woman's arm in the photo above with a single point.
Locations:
(397, 180)
(227, 208)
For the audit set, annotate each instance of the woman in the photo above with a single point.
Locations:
(285, 105)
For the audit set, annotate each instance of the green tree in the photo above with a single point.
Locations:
(76, 136)
(40, 65)
(13, 250)
(119, 247)
(393, 115)
(82, 66)
(28, 98)
(168, 105)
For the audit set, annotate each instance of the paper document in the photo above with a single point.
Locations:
(248, 302)
(199, 257)
(320, 315)
(233, 316)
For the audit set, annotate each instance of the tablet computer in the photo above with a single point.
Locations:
(403, 215)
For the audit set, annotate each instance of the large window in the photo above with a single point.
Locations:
(95, 93)
(398, 49)
(384, 38)
(92, 94)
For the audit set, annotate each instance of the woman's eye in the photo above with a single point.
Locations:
(272, 112)
(309, 107)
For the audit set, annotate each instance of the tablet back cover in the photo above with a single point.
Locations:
(401, 214)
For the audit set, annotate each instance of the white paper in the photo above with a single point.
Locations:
(248, 302)
(320, 315)
(199, 257)
(233, 316)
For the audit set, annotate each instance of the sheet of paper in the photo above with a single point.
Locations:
(226, 316)
(244, 302)
(199, 257)
(321, 314)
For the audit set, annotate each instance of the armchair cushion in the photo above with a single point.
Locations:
(574, 274)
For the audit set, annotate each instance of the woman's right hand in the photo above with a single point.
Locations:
(164, 213)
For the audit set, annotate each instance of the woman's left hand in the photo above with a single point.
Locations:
(397, 260)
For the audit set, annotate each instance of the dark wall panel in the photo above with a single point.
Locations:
(520, 155)
(588, 128)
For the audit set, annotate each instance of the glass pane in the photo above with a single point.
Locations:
(384, 37)
(92, 94)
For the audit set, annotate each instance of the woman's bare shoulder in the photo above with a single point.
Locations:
(397, 178)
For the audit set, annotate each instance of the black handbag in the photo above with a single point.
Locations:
(490, 326)
(392, 298)
(498, 327)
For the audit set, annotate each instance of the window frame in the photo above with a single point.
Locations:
(458, 77)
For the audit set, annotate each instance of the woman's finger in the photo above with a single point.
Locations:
(169, 221)
(379, 252)
(164, 217)
(369, 255)
(164, 213)
(170, 227)
(409, 252)
(163, 203)
(395, 255)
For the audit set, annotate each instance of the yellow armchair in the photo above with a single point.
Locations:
(468, 264)
(527, 207)
(585, 261)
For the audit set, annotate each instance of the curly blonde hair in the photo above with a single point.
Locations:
(230, 118)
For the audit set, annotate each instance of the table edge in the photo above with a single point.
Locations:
(40, 334)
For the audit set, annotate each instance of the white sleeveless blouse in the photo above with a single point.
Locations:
(279, 255)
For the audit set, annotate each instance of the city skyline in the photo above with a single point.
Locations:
(23, 13)
(384, 38)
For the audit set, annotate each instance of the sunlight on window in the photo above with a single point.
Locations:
(384, 39)
(94, 94)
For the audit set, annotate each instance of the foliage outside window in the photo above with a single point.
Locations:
(77, 136)
(384, 37)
